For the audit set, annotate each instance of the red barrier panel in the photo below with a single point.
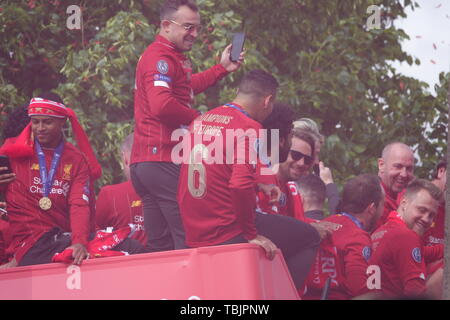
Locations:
(239, 271)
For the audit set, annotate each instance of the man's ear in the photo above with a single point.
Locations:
(165, 25)
(402, 205)
(267, 100)
(380, 165)
(371, 209)
(441, 172)
(62, 124)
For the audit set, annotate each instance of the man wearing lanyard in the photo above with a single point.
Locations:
(164, 92)
(343, 256)
(398, 251)
(218, 179)
(50, 195)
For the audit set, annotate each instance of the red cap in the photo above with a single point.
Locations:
(23, 145)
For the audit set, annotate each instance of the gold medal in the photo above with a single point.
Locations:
(45, 203)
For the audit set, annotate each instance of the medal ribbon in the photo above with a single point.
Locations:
(48, 177)
(356, 221)
(238, 108)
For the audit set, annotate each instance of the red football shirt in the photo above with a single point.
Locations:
(69, 195)
(390, 204)
(164, 92)
(119, 205)
(290, 203)
(262, 200)
(397, 251)
(343, 256)
(218, 201)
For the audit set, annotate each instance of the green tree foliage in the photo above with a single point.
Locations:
(331, 68)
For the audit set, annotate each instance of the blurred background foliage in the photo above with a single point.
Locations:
(331, 69)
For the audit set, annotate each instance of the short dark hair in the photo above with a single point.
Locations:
(417, 185)
(280, 118)
(18, 119)
(258, 83)
(359, 192)
(171, 6)
(312, 187)
(305, 136)
(49, 95)
(441, 164)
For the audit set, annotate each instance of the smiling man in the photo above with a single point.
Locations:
(300, 158)
(50, 195)
(396, 170)
(397, 245)
(163, 102)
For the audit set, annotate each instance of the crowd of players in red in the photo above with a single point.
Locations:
(382, 237)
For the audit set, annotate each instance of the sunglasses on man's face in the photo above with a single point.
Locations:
(188, 26)
(297, 155)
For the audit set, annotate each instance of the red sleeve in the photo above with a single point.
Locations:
(242, 187)
(203, 80)
(163, 103)
(103, 211)
(295, 203)
(244, 204)
(355, 265)
(79, 204)
(410, 264)
(433, 253)
(243, 195)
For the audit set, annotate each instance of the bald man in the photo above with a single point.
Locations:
(396, 170)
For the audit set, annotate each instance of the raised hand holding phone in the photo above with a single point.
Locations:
(237, 46)
(6, 174)
(233, 55)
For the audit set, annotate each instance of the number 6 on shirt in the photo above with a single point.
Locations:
(197, 170)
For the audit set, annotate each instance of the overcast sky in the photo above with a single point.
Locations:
(429, 30)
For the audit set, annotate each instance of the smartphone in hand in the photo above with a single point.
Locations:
(237, 46)
(4, 162)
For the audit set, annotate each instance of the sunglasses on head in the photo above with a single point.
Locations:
(297, 155)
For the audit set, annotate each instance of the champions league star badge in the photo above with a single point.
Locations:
(417, 256)
(367, 252)
(162, 66)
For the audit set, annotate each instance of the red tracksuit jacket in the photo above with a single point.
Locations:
(69, 195)
(164, 92)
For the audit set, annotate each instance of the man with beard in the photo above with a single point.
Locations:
(164, 92)
(297, 162)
